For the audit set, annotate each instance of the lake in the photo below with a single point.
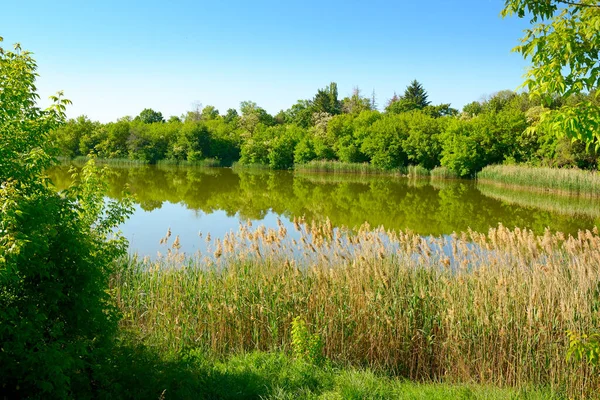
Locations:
(190, 200)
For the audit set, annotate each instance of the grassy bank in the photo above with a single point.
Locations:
(492, 308)
(192, 375)
(566, 180)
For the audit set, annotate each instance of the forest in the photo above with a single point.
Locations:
(504, 128)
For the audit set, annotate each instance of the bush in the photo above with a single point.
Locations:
(56, 318)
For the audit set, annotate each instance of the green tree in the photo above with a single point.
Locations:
(356, 103)
(563, 46)
(149, 116)
(56, 319)
(326, 100)
(209, 112)
(231, 115)
(416, 94)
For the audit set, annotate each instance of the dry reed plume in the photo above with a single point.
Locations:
(471, 307)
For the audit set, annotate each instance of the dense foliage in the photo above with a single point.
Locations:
(563, 46)
(410, 131)
(56, 317)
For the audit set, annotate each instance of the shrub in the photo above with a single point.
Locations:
(56, 318)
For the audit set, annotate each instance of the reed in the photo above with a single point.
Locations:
(559, 203)
(242, 166)
(557, 179)
(207, 162)
(338, 167)
(443, 173)
(417, 171)
(107, 161)
(490, 308)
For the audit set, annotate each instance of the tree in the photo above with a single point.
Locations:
(415, 93)
(414, 98)
(231, 115)
(326, 100)
(356, 103)
(149, 116)
(57, 323)
(563, 46)
(209, 113)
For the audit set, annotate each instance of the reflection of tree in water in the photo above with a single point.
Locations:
(435, 208)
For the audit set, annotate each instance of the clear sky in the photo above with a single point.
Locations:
(115, 58)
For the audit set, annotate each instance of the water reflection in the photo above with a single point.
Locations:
(216, 200)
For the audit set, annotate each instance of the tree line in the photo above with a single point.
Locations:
(409, 131)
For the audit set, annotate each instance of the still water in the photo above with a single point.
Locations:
(190, 200)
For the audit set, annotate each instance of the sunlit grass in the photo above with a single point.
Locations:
(491, 308)
(563, 204)
(443, 173)
(80, 160)
(344, 168)
(207, 162)
(239, 166)
(559, 179)
(191, 374)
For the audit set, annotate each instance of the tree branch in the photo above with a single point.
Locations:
(578, 4)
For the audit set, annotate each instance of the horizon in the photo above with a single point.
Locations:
(115, 64)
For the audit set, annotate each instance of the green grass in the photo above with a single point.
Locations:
(107, 161)
(563, 204)
(139, 373)
(443, 173)
(207, 162)
(416, 171)
(556, 179)
(338, 167)
(238, 165)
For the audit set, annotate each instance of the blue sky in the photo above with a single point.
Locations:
(114, 58)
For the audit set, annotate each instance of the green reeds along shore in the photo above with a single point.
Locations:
(558, 179)
(490, 308)
(560, 203)
(443, 173)
(105, 161)
(207, 162)
(344, 168)
(239, 166)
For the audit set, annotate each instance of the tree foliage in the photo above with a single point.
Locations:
(56, 252)
(563, 46)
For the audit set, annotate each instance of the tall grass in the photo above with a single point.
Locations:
(491, 308)
(443, 173)
(559, 179)
(563, 204)
(108, 161)
(344, 168)
(239, 166)
(417, 171)
(207, 162)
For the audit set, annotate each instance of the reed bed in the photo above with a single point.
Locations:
(339, 167)
(417, 171)
(443, 173)
(207, 162)
(558, 179)
(563, 204)
(110, 161)
(259, 167)
(489, 308)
